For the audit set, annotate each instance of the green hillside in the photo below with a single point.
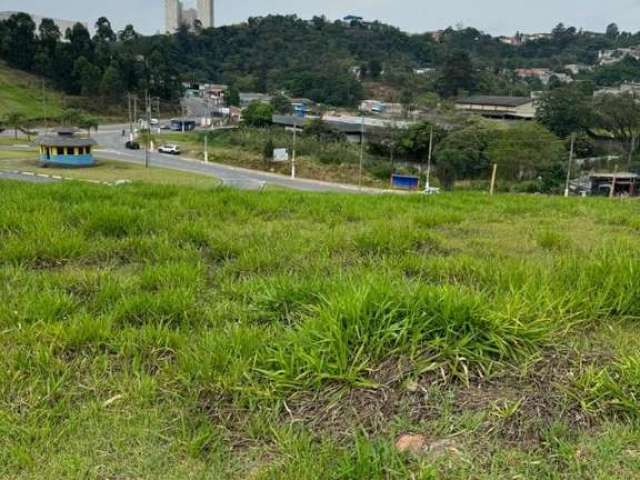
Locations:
(170, 333)
(22, 92)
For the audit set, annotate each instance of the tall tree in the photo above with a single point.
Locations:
(80, 42)
(112, 85)
(21, 41)
(129, 34)
(524, 150)
(88, 77)
(612, 31)
(457, 74)
(565, 110)
(49, 35)
(104, 39)
(620, 115)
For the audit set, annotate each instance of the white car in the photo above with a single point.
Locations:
(170, 149)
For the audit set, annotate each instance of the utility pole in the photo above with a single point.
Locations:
(293, 150)
(494, 175)
(631, 149)
(566, 188)
(135, 108)
(44, 107)
(206, 148)
(614, 181)
(130, 116)
(361, 153)
(182, 114)
(148, 105)
(427, 187)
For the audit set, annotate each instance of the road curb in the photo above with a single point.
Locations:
(59, 178)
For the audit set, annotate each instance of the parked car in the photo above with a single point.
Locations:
(170, 149)
(131, 145)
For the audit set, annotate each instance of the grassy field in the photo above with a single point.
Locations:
(22, 93)
(164, 332)
(106, 170)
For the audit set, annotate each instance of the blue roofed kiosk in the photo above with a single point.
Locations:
(66, 149)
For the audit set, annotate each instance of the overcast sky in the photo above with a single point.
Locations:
(494, 16)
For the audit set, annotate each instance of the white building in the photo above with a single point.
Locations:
(172, 15)
(523, 108)
(206, 13)
(176, 14)
(610, 57)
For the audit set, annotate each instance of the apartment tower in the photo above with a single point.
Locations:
(206, 13)
(176, 15)
(172, 15)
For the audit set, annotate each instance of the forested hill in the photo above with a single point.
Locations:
(313, 58)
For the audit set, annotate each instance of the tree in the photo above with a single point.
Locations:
(88, 76)
(71, 117)
(49, 35)
(620, 115)
(80, 41)
(104, 32)
(111, 85)
(104, 40)
(323, 132)
(461, 154)
(414, 141)
(128, 35)
(267, 151)
(457, 74)
(281, 104)
(258, 114)
(233, 97)
(374, 69)
(16, 121)
(524, 150)
(612, 31)
(21, 41)
(407, 100)
(565, 110)
(88, 122)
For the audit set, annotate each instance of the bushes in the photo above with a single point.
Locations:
(361, 326)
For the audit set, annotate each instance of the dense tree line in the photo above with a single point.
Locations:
(104, 66)
(312, 58)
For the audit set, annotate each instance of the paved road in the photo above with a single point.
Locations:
(112, 146)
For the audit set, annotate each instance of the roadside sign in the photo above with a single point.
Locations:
(280, 155)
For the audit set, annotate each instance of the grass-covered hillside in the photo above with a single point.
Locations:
(22, 93)
(159, 332)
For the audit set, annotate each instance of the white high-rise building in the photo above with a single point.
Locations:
(206, 13)
(173, 15)
(176, 14)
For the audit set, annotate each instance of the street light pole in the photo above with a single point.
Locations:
(361, 153)
(566, 188)
(428, 185)
(148, 105)
(129, 101)
(293, 150)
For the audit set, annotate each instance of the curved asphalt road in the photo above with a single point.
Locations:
(112, 146)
